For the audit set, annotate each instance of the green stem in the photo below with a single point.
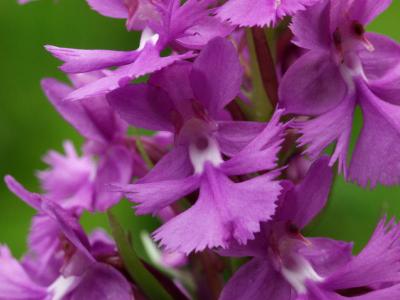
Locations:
(143, 153)
(266, 64)
(134, 266)
(261, 109)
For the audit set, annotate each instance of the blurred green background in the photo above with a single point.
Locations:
(29, 126)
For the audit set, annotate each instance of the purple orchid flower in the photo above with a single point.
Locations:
(372, 274)
(260, 12)
(79, 183)
(189, 100)
(79, 180)
(183, 27)
(82, 275)
(70, 180)
(346, 67)
(286, 265)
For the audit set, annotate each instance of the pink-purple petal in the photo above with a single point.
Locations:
(16, 284)
(257, 280)
(144, 106)
(233, 212)
(92, 117)
(260, 12)
(244, 13)
(32, 199)
(174, 165)
(233, 136)
(80, 61)
(377, 150)
(110, 8)
(152, 197)
(383, 61)
(43, 258)
(261, 152)
(147, 62)
(390, 293)
(313, 85)
(335, 125)
(175, 81)
(310, 27)
(302, 203)
(364, 11)
(327, 255)
(216, 75)
(70, 227)
(203, 31)
(377, 263)
(115, 167)
(387, 88)
(102, 281)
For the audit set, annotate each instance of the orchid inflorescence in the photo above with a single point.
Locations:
(242, 99)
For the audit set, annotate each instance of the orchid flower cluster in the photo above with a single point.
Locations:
(239, 100)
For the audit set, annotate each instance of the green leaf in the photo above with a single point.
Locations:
(142, 277)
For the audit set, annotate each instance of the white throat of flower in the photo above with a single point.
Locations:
(351, 70)
(61, 286)
(277, 3)
(148, 36)
(297, 277)
(204, 149)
